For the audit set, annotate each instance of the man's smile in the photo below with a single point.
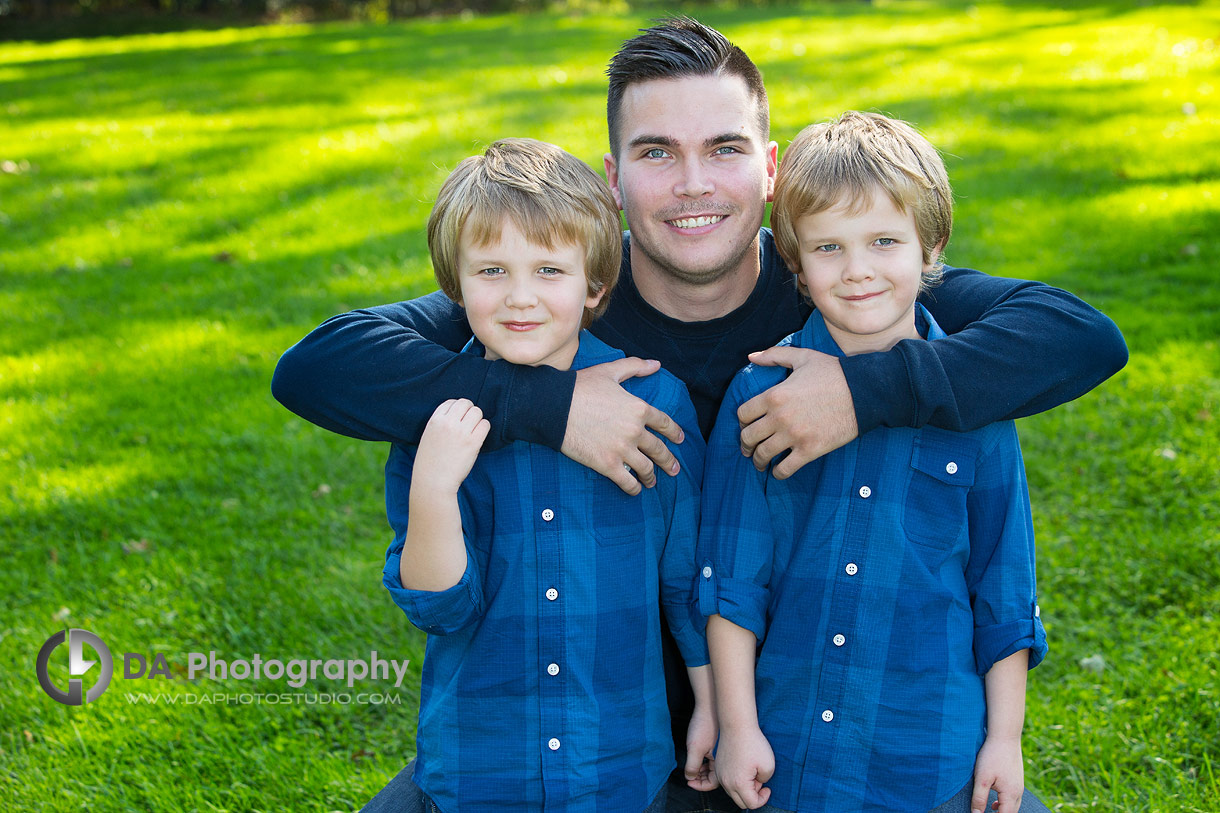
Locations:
(696, 222)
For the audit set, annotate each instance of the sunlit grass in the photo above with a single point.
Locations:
(176, 209)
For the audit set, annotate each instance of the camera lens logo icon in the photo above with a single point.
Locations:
(77, 667)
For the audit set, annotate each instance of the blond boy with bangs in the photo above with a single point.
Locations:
(540, 584)
(872, 618)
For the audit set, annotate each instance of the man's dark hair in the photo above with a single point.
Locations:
(675, 48)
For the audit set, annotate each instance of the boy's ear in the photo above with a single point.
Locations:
(938, 254)
(593, 299)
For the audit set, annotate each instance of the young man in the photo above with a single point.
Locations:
(692, 166)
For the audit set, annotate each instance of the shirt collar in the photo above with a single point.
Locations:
(589, 352)
(815, 336)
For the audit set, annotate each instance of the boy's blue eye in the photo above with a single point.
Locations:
(826, 248)
(885, 241)
(547, 271)
(495, 271)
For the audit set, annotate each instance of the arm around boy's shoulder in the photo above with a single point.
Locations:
(1015, 348)
(378, 373)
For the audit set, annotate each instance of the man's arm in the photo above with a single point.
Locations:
(378, 374)
(1016, 348)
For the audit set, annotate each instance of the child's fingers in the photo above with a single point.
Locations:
(978, 799)
(751, 799)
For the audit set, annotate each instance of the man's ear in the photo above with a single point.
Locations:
(612, 178)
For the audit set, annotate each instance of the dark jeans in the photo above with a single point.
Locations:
(958, 804)
(682, 798)
(402, 795)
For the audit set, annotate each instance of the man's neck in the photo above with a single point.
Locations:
(689, 302)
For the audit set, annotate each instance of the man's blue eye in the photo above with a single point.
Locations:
(656, 152)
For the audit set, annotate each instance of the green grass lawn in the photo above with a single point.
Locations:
(177, 209)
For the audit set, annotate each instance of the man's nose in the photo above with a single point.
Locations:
(695, 181)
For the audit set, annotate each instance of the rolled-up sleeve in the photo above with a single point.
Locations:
(680, 496)
(1001, 574)
(435, 612)
(736, 544)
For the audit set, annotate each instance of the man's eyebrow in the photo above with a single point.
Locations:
(659, 140)
(726, 138)
(667, 141)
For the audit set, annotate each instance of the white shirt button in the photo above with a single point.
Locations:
(828, 715)
(548, 514)
(951, 467)
(839, 640)
(551, 594)
(866, 492)
(553, 743)
(707, 572)
(851, 569)
(553, 669)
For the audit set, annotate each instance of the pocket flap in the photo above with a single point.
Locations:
(948, 459)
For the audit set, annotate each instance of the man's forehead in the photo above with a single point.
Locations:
(692, 109)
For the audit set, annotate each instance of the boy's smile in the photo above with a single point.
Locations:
(524, 302)
(862, 265)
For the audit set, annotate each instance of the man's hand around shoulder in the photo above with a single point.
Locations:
(808, 414)
(450, 444)
(611, 431)
(744, 761)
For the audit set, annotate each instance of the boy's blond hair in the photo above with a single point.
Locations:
(551, 196)
(848, 159)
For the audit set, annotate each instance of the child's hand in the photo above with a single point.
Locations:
(744, 761)
(700, 768)
(999, 766)
(450, 444)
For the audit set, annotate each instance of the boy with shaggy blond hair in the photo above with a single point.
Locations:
(872, 618)
(540, 584)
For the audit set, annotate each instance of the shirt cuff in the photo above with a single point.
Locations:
(741, 602)
(688, 629)
(994, 643)
(436, 612)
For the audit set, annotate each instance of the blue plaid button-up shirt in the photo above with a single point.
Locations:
(882, 581)
(543, 687)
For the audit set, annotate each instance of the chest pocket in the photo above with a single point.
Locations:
(934, 512)
(615, 517)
